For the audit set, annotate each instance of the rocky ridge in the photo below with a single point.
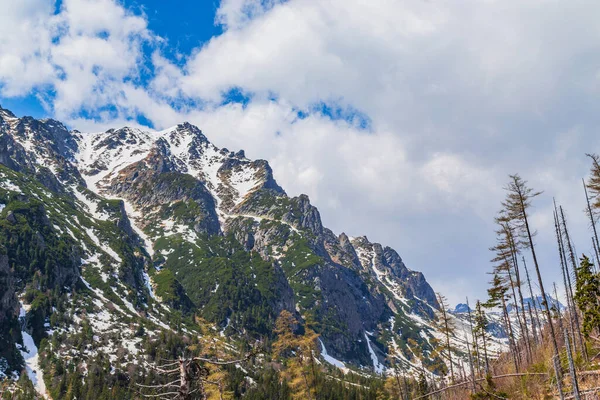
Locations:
(166, 223)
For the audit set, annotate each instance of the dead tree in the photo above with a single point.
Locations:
(574, 311)
(572, 371)
(517, 203)
(565, 273)
(475, 341)
(536, 304)
(448, 329)
(506, 252)
(188, 378)
(471, 367)
(590, 213)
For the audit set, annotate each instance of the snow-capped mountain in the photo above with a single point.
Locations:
(128, 233)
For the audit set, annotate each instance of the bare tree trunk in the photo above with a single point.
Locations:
(513, 251)
(537, 270)
(533, 324)
(565, 274)
(574, 310)
(471, 364)
(447, 328)
(597, 257)
(522, 328)
(592, 221)
(568, 240)
(533, 299)
(487, 363)
(406, 388)
(511, 338)
(560, 324)
(572, 369)
(184, 379)
(558, 375)
(398, 383)
(474, 336)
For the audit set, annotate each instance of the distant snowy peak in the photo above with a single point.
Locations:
(537, 302)
(461, 308)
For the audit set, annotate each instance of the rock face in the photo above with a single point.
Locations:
(210, 232)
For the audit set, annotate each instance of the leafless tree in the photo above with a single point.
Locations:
(187, 378)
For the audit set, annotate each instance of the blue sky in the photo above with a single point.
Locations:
(401, 120)
(184, 25)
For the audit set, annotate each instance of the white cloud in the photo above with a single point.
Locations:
(458, 94)
(86, 52)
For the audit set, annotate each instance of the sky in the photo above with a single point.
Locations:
(400, 119)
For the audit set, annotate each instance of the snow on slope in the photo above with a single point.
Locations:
(333, 361)
(29, 351)
(102, 155)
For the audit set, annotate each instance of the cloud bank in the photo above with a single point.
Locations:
(400, 119)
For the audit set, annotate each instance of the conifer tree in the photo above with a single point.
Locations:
(481, 324)
(517, 204)
(497, 298)
(506, 257)
(587, 293)
(474, 336)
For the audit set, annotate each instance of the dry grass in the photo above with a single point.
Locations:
(541, 386)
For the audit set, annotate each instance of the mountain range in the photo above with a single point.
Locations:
(109, 240)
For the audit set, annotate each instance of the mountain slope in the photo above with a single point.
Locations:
(129, 228)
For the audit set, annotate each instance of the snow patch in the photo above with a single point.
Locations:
(8, 185)
(29, 351)
(333, 361)
(376, 364)
(105, 248)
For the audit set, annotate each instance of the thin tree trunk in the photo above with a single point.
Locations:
(560, 324)
(487, 363)
(533, 299)
(568, 240)
(597, 257)
(483, 333)
(474, 336)
(592, 221)
(558, 374)
(539, 275)
(513, 250)
(526, 334)
(448, 349)
(565, 274)
(522, 329)
(575, 312)
(534, 328)
(398, 383)
(575, 384)
(471, 364)
(511, 338)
